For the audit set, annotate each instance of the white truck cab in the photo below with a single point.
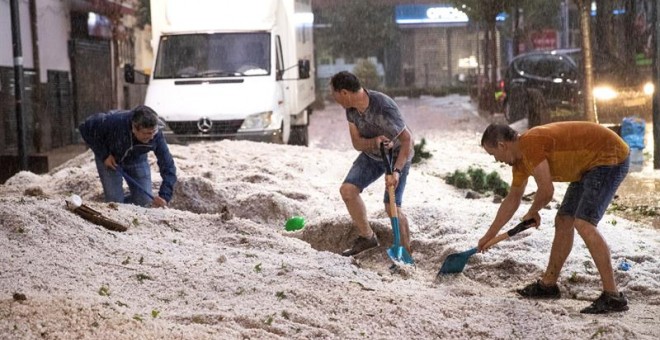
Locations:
(233, 69)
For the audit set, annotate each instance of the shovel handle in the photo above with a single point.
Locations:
(134, 182)
(387, 159)
(522, 226)
(393, 211)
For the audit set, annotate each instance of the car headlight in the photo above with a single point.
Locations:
(649, 89)
(604, 93)
(257, 121)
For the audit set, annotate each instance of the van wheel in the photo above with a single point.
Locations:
(538, 109)
(299, 136)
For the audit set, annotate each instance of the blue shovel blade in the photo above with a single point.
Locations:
(400, 254)
(455, 263)
(397, 252)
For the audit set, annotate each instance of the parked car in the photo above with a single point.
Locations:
(547, 86)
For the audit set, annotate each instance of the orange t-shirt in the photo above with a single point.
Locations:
(571, 148)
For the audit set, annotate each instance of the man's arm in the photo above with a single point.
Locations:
(406, 139)
(544, 193)
(166, 167)
(364, 144)
(507, 208)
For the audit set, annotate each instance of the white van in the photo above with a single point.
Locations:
(233, 69)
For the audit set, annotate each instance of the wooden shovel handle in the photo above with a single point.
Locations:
(388, 172)
(522, 226)
(393, 211)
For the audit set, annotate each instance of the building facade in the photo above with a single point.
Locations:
(72, 52)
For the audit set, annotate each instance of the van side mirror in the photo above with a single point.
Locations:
(303, 68)
(129, 73)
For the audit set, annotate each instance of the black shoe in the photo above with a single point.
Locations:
(538, 290)
(361, 244)
(606, 303)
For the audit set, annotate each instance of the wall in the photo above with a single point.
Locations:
(43, 127)
(7, 51)
(53, 27)
(53, 34)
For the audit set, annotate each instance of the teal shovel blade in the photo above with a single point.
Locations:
(455, 263)
(397, 252)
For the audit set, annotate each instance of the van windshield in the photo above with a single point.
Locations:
(213, 55)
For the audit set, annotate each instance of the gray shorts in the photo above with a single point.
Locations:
(589, 198)
(366, 170)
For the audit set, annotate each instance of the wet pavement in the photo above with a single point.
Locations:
(638, 199)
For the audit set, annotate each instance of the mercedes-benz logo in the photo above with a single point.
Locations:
(204, 124)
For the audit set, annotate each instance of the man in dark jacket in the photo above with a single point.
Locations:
(120, 141)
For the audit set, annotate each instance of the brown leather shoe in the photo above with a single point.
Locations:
(361, 244)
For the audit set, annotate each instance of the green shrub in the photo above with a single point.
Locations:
(420, 153)
(459, 179)
(476, 179)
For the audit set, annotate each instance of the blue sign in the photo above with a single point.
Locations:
(433, 14)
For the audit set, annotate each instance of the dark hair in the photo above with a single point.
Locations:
(144, 117)
(345, 80)
(496, 133)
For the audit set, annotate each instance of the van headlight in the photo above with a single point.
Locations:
(258, 121)
(649, 88)
(604, 93)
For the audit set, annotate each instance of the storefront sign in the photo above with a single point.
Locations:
(433, 14)
(427, 14)
(544, 40)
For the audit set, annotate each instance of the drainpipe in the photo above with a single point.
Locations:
(38, 114)
(18, 84)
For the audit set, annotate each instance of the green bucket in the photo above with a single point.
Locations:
(294, 223)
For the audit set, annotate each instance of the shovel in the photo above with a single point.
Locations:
(134, 182)
(455, 263)
(397, 252)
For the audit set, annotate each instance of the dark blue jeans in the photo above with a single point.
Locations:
(589, 198)
(366, 170)
(112, 182)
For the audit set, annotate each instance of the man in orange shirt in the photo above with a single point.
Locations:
(595, 161)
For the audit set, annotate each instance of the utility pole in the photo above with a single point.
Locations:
(18, 84)
(564, 24)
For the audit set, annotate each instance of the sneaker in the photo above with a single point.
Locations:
(361, 244)
(606, 303)
(538, 290)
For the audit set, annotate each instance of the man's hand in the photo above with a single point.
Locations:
(392, 180)
(159, 202)
(533, 215)
(110, 162)
(483, 241)
(382, 139)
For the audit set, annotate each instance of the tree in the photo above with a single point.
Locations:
(143, 13)
(585, 28)
(486, 11)
(357, 29)
(603, 26)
